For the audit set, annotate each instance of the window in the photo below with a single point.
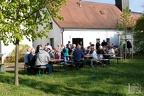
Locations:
(51, 25)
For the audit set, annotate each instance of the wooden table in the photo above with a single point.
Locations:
(55, 60)
(88, 56)
(70, 55)
(109, 54)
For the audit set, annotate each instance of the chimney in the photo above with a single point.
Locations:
(80, 3)
(122, 4)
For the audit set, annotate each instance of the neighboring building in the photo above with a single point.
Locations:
(85, 22)
(8, 49)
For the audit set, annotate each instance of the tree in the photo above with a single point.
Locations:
(125, 23)
(19, 18)
(139, 34)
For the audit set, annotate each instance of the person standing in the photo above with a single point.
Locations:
(65, 54)
(123, 48)
(97, 44)
(69, 45)
(104, 43)
(48, 46)
(129, 47)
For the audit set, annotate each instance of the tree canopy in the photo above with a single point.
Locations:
(126, 21)
(19, 18)
(139, 34)
(29, 18)
(140, 23)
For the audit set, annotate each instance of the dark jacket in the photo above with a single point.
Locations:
(78, 54)
(104, 43)
(129, 45)
(100, 51)
(32, 59)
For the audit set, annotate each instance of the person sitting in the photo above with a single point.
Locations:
(111, 51)
(78, 56)
(100, 52)
(50, 53)
(42, 59)
(26, 61)
(57, 54)
(87, 52)
(31, 57)
(73, 48)
(94, 57)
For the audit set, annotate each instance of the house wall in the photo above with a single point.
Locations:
(90, 35)
(55, 33)
(8, 49)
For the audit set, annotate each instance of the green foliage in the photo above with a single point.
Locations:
(22, 49)
(29, 18)
(20, 18)
(140, 23)
(139, 34)
(126, 21)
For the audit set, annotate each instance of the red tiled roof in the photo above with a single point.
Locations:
(90, 15)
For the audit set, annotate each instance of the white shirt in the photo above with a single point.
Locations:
(94, 54)
(49, 46)
(111, 51)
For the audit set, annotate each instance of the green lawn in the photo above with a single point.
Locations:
(111, 80)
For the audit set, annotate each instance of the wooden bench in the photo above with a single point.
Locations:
(1, 67)
(102, 61)
(41, 69)
(26, 67)
(118, 58)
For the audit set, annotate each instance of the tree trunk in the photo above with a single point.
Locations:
(16, 63)
(125, 54)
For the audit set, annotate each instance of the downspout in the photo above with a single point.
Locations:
(62, 30)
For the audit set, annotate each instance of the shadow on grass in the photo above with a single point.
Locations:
(90, 82)
(57, 89)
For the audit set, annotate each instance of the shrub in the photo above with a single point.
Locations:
(22, 50)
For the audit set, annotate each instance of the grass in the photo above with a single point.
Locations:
(111, 80)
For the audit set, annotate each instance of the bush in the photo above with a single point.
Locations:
(22, 50)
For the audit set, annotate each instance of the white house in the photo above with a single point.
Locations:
(86, 22)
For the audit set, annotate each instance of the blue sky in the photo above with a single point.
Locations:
(135, 5)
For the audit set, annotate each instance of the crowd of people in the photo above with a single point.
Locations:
(70, 52)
